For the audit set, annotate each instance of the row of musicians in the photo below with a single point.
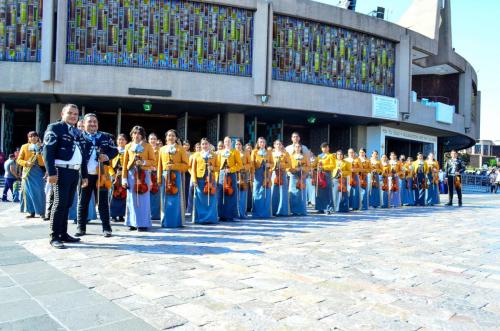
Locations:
(272, 181)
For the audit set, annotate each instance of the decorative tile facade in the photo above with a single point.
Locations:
(20, 30)
(317, 53)
(166, 34)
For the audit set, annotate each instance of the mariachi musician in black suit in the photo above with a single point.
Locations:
(64, 154)
(454, 169)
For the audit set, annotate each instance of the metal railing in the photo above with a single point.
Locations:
(475, 183)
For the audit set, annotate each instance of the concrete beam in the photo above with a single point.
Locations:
(233, 124)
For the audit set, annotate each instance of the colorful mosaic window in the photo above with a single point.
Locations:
(321, 54)
(20, 30)
(164, 34)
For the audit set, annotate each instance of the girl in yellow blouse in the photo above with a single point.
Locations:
(340, 173)
(204, 165)
(385, 185)
(155, 192)
(420, 170)
(396, 172)
(297, 186)
(374, 180)
(364, 169)
(279, 180)
(324, 165)
(32, 185)
(189, 207)
(433, 177)
(262, 163)
(172, 163)
(353, 180)
(229, 165)
(408, 168)
(118, 204)
(138, 161)
(243, 178)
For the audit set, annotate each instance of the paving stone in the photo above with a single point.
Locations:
(160, 317)
(52, 286)
(20, 309)
(12, 293)
(132, 324)
(91, 316)
(6, 281)
(38, 323)
(70, 300)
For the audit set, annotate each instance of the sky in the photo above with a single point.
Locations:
(475, 27)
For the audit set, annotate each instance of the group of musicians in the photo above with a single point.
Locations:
(141, 180)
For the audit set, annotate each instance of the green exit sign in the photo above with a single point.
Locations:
(147, 106)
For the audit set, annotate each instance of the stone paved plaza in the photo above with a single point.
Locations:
(406, 269)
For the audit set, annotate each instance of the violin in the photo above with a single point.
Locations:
(242, 183)
(363, 180)
(342, 185)
(266, 182)
(228, 183)
(352, 180)
(170, 187)
(385, 183)
(119, 192)
(154, 182)
(425, 185)
(209, 187)
(103, 179)
(278, 179)
(415, 185)
(394, 184)
(458, 183)
(140, 186)
(301, 185)
(374, 182)
(322, 182)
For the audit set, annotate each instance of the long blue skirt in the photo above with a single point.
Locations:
(298, 198)
(432, 197)
(363, 193)
(173, 205)
(374, 195)
(33, 192)
(117, 207)
(410, 193)
(324, 199)
(279, 194)
(228, 204)
(138, 205)
(262, 207)
(242, 203)
(354, 194)
(340, 199)
(204, 209)
(311, 191)
(154, 200)
(73, 211)
(420, 192)
(395, 195)
(189, 207)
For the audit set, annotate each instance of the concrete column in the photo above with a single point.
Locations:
(37, 118)
(62, 15)
(465, 95)
(358, 137)
(374, 140)
(261, 48)
(118, 122)
(2, 128)
(47, 40)
(55, 112)
(233, 125)
(402, 79)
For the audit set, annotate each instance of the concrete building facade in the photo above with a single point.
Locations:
(243, 68)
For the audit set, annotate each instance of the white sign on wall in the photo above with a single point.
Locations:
(444, 113)
(385, 107)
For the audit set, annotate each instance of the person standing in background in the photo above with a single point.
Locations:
(10, 176)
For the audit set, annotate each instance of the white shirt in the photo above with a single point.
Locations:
(291, 148)
(76, 159)
(92, 164)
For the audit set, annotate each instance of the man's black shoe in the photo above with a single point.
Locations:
(69, 239)
(57, 244)
(460, 204)
(80, 233)
(142, 229)
(121, 219)
(106, 234)
(30, 215)
(449, 204)
(132, 228)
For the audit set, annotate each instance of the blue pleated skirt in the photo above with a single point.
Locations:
(340, 199)
(204, 208)
(33, 192)
(374, 194)
(279, 196)
(395, 196)
(298, 198)
(324, 199)
(242, 203)
(262, 207)
(353, 194)
(420, 192)
(138, 205)
(432, 197)
(173, 205)
(228, 204)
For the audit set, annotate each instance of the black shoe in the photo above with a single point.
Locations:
(42, 216)
(121, 219)
(69, 239)
(106, 234)
(449, 204)
(132, 228)
(57, 244)
(30, 216)
(460, 204)
(80, 233)
(142, 229)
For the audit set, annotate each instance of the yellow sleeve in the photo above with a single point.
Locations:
(237, 162)
(125, 164)
(159, 168)
(183, 166)
(22, 154)
(150, 156)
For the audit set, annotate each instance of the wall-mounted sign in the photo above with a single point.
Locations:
(385, 107)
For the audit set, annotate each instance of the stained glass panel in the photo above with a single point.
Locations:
(20, 30)
(317, 53)
(165, 34)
